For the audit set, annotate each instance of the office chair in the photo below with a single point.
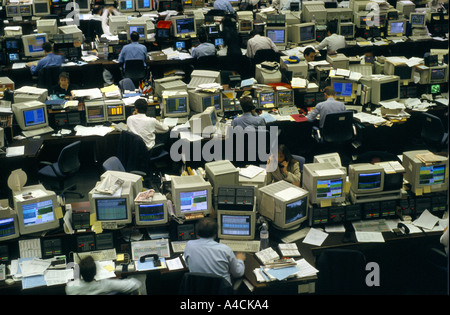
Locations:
(114, 164)
(207, 63)
(66, 166)
(126, 84)
(134, 70)
(301, 161)
(266, 55)
(196, 283)
(341, 271)
(48, 77)
(433, 133)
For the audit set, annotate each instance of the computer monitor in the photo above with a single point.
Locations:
(36, 214)
(191, 195)
(84, 5)
(204, 123)
(347, 30)
(218, 42)
(176, 105)
(95, 111)
(32, 44)
(233, 224)
(134, 180)
(438, 74)
(113, 209)
(222, 173)
(278, 35)
(396, 28)
(153, 212)
(9, 225)
(245, 26)
(345, 89)
(417, 19)
(41, 7)
(384, 89)
(283, 203)
(72, 30)
(430, 177)
(307, 32)
(12, 10)
(140, 28)
(184, 26)
(266, 99)
(199, 101)
(117, 24)
(366, 178)
(324, 182)
(47, 26)
(30, 115)
(284, 97)
(115, 110)
(126, 6)
(143, 5)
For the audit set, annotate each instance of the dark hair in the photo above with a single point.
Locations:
(247, 103)
(332, 26)
(47, 46)
(134, 36)
(202, 35)
(329, 91)
(97, 9)
(286, 152)
(64, 75)
(255, 32)
(88, 269)
(206, 228)
(141, 105)
(228, 22)
(308, 51)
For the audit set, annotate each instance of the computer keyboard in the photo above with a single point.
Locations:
(420, 38)
(98, 255)
(242, 246)
(37, 132)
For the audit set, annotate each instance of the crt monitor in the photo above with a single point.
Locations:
(184, 26)
(430, 177)
(176, 105)
(307, 32)
(439, 74)
(278, 35)
(204, 122)
(266, 99)
(41, 7)
(347, 30)
(199, 101)
(396, 28)
(233, 224)
(344, 88)
(191, 195)
(245, 26)
(366, 178)
(385, 88)
(126, 6)
(117, 24)
(32, 44)
(36, 214)
(12, 10)
(143, 5)
(153, 212)
(417, 19)
(404, 72)
(31, 115)
(95, 111)
(285, 97)
(115, 110)
(283, 203)
(9, 225)
(84, 5)
(324, 182)
(141, 29)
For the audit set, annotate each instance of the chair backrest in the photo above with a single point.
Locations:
(68, 160)
(126, 84)
(338, 127)
(48, 77)
(266, 55)
(132, 152)
(113, 164)
(195, 283)
(341, 271)
(432, 128)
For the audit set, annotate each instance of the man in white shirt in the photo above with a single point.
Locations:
(333, 41)
(258, 42)
(146, 127)
(105, 19)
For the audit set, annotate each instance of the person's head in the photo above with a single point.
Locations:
(47, 47)
(88, 269)
(247, 104)
(64, 79)
(284, 154)
(134, 36)
(329, 92)
(332, 27)
(97, 10)
(202, 35)
(309, 53)
(141, 105)
(254, 32)
(206, 228)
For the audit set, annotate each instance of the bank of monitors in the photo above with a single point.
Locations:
(278, 35)
(32, 44)
(41, 7)
(396, 27)
(115, 110)
(285, 97)
(95, 112)
(236, 224)
(184, 26)
(37, 213)
(191, 195)
(324, 182)
(283, 203)
(126, 6)
(31, 115)
(9, 225)
(366, 178)
(417, 19)
(153, 212)
(266, 99)
(176, 105)
(425, 177)
(199, 101)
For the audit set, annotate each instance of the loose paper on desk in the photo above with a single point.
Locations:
(174, 264)
(15, 151)
(426, 220)
(289, 250)
(369, 237)
(315, 237)
(267, 255)
(105, 270)
(251, 171)
(305, 269)
(55, 277)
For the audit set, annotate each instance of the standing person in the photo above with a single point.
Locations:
(205, 255)
(105, 19)
(231, 37)
(288, 168)
(333, 41)
(330, 105)
(146, 127)
(258, 42)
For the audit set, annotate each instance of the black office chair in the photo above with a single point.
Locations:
(134, 70)
(265, 55)
(114, 164)
(433, 133)
(341, 271)
(67, 165)
(207, 63)
(48, 77)
(195, 283)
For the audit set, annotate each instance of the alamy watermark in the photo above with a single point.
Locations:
(74, 13)
(373, 17)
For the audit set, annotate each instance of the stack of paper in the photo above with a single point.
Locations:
(368, 118)
(289, 250)
(267, 255)
(251, 171)
(90, 94)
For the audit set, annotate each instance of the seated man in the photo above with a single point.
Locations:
(330, 105)
(133, 51)
(205, 48)
(145, 126)
(258, 42)
(64, 88)
(333, 41)
(50, 59)
(249, 116)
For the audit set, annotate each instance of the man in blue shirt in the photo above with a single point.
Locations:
(249, 118)
(223, 5)
(205, 48)
(327, 107)
(50, 59)
(133, 51)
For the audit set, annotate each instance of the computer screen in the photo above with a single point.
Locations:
(95, 112)
(180, 45)
(185, 26)
(324, 182)
(403, 71)
(115, 111)
(176, 105)
(191, 195)
(12, 44)
(213, 100)
(343, 88)
(347, 30)
(296, 211)
(143, 5)
(218, 42)
(307, 33)
(438, 75)
(194, 201)
(34, 117)
(266, 99)
(285, 97)
(366, 178)
(278, 36)
(417, 19)
(329, 188)
(151, 212)
(236, 224)
(12, 10)
(435, 89)
(126, 5)
(389, 90)
(245, 26)
(111, 209)
(41, 8)
(140, 29)
(32, 44)
(9, 226)
(162, 33)
(432, 175)
(396, 28)
(31, 115)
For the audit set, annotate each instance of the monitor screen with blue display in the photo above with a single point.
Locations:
(343, 89)
(34, 117)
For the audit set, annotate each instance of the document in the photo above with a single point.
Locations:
(282, 273)
(15, 151)
(369, 237)
(315, 237)
(251, 171)
(174, 264)
(289, 250)
(305, 269)
(426, 220)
